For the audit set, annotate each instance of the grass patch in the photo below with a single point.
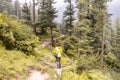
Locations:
(13, 63)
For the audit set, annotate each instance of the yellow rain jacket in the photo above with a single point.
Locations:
(58, 50)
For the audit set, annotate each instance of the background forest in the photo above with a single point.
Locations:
(29, 32)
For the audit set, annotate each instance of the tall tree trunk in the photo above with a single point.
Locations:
(34, 26)
(79, 38)
(79, 34)
(42, 30)
(102, 51)
(70, 18)
(88, 11)
(43, 7)
(51, 33)
(51, 28)
(17, 11)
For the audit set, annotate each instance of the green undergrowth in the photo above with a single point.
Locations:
(94, 74)
(14, 63)
(20, 50)
(16, 35)
(43, 37)
(46, 57)
(88, 68)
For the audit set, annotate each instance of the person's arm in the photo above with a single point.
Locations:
(61, 50)
(54, 51)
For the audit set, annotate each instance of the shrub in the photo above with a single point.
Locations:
(87, 62)
(13, 63)
(70, 46)
(95, 74)
(112, 61)
(16, 35)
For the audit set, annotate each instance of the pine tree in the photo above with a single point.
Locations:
(90, 28)
(51, 12)
(101, 21)
(116, 39)
(6, 5)
(34, 17)
(26, 14)
(42, 20)
(108, 36)
(46, 16)
(69, 17)
(83, 28)
(17, 9)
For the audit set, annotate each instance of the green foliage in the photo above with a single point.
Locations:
(87, 68)
(15, 35)
(112, 62)
(42, 16)
(17, 10)
(93, 18)
(88, 62)
(66, 46)
(84, 30)
(26, 14)
(69, 17)
(1, 45)
(94, 74)
(6, 34)
(19, 64)
(46, 15)
(115, 75)
(115, 37)
(13, 63)
(69, 44)
(6, 5)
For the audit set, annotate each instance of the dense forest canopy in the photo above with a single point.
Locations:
(29, 32)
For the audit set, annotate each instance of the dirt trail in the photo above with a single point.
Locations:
(59, 71)
(37, 75)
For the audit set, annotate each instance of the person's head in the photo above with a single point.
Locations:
(57, 44)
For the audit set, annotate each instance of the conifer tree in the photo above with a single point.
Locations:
(42, 16)
(34, 16)
(83, 28)
(17, 9)
(26, 14)
(116, 39)
(101, 21)
(6, 5)
(69, 16)
(51, 12)
(92, 16)
(46, 16)
(108, 36)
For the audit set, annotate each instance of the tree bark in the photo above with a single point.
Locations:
(34, 26)
(51, 33)
(17, 9)
(70, 18)
(102, 51)
(51, 28)
(88, 11)
(79, 38)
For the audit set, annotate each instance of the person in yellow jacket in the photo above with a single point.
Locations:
(58, 51)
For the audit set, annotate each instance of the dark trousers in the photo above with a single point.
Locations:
(57, 58)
